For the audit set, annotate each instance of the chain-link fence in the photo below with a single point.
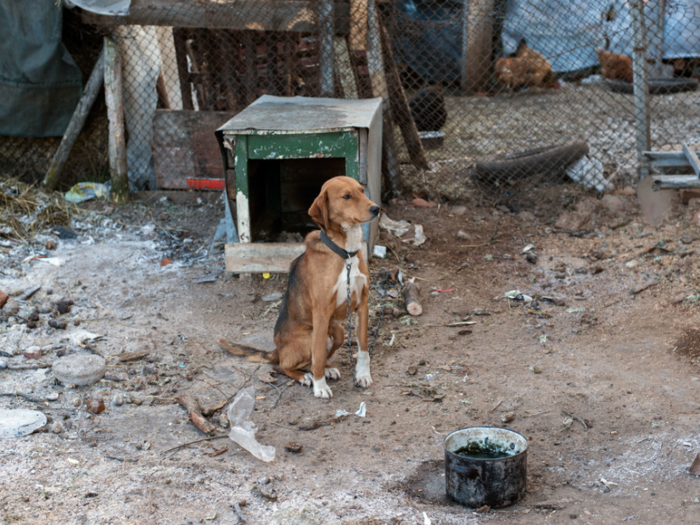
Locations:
(479, 94)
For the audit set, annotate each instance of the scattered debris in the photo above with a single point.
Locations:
(397, 228)
(3, 298)
(419, 237)
(84, 191)
(361, 412)
(195, 411)
(132, 356)
(243, 429)
(79, 369)
(379, 251)
(411, 292)
(589, 173)
(516, 295)
(275, 296)
(422, 203)
(695, 467)
(294, 448)
(507, 417)
(642, 287)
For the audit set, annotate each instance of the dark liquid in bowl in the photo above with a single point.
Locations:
(479, 451)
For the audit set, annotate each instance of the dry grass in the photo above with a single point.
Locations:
(25, 210)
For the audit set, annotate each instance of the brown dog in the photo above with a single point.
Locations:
(309, 327)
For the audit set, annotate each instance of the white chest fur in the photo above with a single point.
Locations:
(357, 280)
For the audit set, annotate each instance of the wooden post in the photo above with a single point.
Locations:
(77, 121)
(391, 171)
(115, 113)
(179, 38)
(399, 106)
(251, 72)
(641, 87)
(477, 28)
(325, 51)
(659, 39)
(344, 68)
(358, 25)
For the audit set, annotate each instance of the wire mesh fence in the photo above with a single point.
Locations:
(479, 94)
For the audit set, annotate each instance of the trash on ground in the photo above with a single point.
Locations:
(243, 429)
(397, 228)
(419, 236)
(195, 412)
(275, 296)
(79, 369)
(589, 173)
(20, 422)
(379, 251)
(84, 191)
(528, 248)
(82, 337)
(516, 295)
(361, 412)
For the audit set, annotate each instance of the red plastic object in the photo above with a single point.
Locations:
(207, 184)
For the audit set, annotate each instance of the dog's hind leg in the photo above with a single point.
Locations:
(336, 338)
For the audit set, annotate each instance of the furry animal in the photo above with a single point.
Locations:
(309, 327)
(614, 66)
(428, 109)
(527, 68)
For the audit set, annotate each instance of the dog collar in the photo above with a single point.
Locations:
(337, 249)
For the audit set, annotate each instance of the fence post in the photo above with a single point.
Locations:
(641, 87)
(477, 29)
(115, 113)
(326, 47)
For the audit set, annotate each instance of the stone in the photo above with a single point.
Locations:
(79, 369)
(615, 205)
(77, 401)
(20, 422)
(276, 296)
(422, 203)
(95, 406)
(11, 307)
(458, 210)
(33, 352)
(118, 400)
(53, 396)
(56, 427)
(526, 216)
(3, 298)
(463, 235)
(45, 308)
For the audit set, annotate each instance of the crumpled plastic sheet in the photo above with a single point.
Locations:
(84, 191)
(397, 228)
(243, 429)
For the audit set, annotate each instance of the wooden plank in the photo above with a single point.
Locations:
(261, 257)
(344, 68)
(358, 25)
(179, 38)
(115, 114)
(77, 121)
(692, 159)
(242, 194)
(675, 181)
(477, 34)
(257, 15)
(325, 17)
(269, 146)
(399, 106)
(184, 146)
(666, 158)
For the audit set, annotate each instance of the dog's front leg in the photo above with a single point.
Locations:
(318, 355)
(362, 374)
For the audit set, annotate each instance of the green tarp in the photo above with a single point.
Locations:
(40, 84)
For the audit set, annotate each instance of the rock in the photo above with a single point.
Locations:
(118, 400)
(507, 417)
(20, 422)
(458, 210)
(615, 205)
(3, 298)
(53, 396)
(655, 205)
(33, 352)
(11, 307)
(29, 292)
(79, 369)
(463, 235)
(294, 448)
(51, 245)
(422, 203)
(526, 216)
(77, 401)
(63, 306)
(95, 406)
(57, 427)
(223, 421)
(276, 296)
(45, 308)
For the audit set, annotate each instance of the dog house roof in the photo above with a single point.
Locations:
(302, 115)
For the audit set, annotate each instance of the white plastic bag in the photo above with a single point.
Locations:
(243, 429)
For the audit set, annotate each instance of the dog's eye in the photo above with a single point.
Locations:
(347, 196)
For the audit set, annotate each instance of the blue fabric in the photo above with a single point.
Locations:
(40, 84)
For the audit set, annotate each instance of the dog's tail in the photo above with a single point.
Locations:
(251, 354)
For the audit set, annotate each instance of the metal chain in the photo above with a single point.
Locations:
(348, 324)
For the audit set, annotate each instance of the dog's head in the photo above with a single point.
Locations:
(341, 204)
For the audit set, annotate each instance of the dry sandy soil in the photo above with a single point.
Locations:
(604, 384)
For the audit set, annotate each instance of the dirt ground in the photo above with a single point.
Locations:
(603, 382)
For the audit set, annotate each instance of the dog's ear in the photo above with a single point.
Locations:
(319, 210)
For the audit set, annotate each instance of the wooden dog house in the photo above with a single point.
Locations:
(277, 154)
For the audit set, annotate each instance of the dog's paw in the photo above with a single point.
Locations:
(321, 389)
(332, 373)
(307, 380)
(365, 381)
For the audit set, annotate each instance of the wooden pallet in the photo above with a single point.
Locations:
(684, 158)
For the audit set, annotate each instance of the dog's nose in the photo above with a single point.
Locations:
(374, 210)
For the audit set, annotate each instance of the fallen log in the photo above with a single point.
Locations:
(411, 292)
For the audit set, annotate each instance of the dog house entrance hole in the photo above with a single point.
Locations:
(280, 193)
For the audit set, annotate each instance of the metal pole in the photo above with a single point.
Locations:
(326, 47)
(641, 87)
